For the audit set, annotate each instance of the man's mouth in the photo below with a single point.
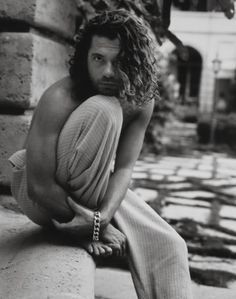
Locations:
(109, 84)
(108, 88)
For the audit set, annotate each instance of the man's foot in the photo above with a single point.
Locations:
(97, 248)
(112, 242)
(114, 239)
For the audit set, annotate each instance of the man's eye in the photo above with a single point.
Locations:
(97, 58)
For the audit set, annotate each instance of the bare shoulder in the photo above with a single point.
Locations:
(144, 112)
(56, 98)
(55, 105)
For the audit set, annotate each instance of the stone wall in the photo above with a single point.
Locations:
(35, 38)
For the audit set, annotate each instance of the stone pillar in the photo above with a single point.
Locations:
(207, 90)
(35, 40)
(35, 47)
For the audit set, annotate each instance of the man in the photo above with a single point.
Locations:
(66, 177)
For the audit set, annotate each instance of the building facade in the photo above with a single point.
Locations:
(210, 37)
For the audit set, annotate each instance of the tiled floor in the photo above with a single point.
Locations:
(199, 190)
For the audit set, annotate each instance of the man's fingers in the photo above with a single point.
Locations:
(77, 208)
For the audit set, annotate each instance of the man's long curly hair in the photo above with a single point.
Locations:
(137, 66)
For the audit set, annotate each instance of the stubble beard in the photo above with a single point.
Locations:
(106, 88)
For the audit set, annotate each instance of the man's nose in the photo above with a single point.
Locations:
(109, 70)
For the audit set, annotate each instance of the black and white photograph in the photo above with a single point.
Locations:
(117, 149)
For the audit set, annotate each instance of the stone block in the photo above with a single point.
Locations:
(13, 130)
(56, 15)
(16, 54)
(41, 264)
(29, 64)
(50, 63)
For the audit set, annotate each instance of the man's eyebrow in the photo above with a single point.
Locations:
(97, 54)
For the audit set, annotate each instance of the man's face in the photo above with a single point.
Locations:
(102, 65)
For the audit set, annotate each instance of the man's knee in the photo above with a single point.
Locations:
(106, 107)
(177, 245)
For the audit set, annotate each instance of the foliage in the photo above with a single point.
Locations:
(163, 109)
(186, 113)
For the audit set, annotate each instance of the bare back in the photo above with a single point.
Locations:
(56, 103)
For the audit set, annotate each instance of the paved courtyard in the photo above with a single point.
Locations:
(196, 194)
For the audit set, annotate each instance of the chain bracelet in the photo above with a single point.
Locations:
(96, 225)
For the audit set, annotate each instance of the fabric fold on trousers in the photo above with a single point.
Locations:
(157, 254)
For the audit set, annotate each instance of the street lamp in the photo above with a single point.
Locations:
(216, 63)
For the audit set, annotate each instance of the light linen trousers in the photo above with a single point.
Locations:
(86, 150)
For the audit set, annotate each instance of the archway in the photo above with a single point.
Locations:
(188, 74)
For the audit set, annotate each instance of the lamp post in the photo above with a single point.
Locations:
(216, 63)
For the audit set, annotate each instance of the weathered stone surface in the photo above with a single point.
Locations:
(55, 15)
(200, 214)
(13, 130)
(28, 65)
(16, 54)
(50, 63)
(19, 10)
(39, 264)
(139, 175)
(207, 263)
(8, 202)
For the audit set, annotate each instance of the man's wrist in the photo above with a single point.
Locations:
(104, 220)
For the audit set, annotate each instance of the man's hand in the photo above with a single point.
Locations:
(81, 224)
(86, 215)
(109, 235)
(112, 240)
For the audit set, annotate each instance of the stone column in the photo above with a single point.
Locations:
(207, 89)
(35, 39)
(35, 47)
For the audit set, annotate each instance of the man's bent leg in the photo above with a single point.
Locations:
(86, 149)
(31, 209)
(157, 254)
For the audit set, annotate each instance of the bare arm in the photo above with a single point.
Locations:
(41, 157)
(129, 148)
